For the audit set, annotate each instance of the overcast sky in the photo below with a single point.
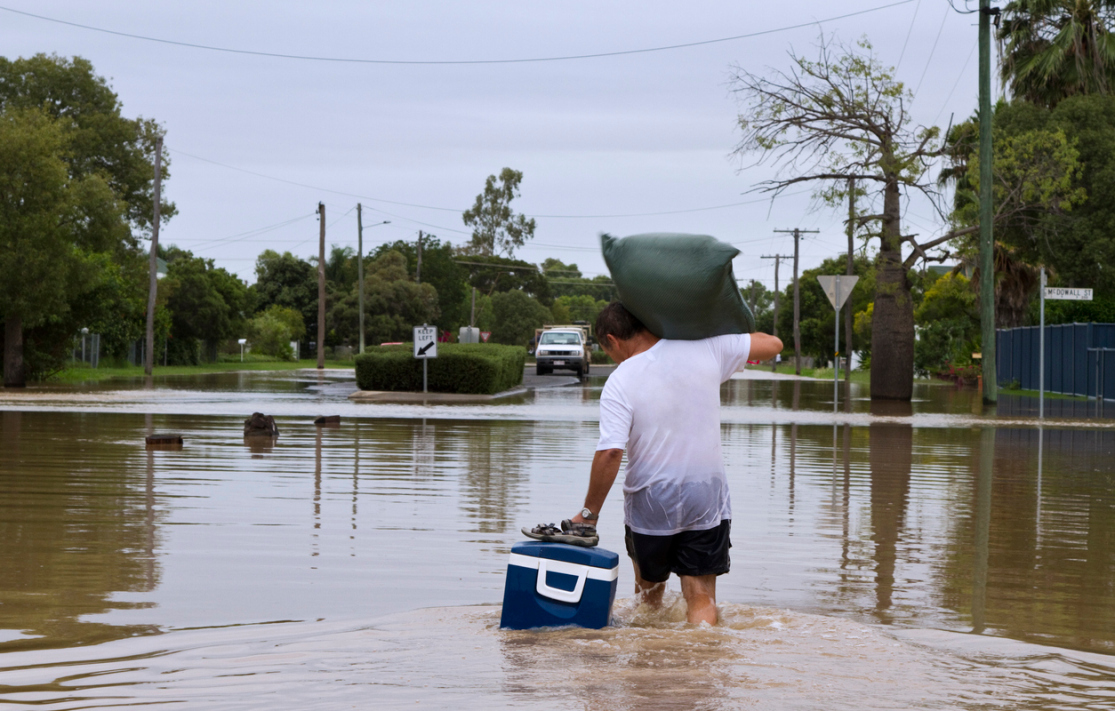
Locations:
(595, 138)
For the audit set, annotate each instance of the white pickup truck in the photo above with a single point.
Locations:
(562, 348)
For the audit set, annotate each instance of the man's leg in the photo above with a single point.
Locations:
(700, 597)
(649, 593)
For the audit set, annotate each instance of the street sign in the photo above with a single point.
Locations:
(485, 335)
(838, 287)
(1057, 293)
(425, 342)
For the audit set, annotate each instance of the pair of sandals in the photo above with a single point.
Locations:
(574, 534)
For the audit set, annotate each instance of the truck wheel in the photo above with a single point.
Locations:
(580, 372)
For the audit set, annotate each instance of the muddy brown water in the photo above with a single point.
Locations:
(935, 555)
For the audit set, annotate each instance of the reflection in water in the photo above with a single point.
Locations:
(891, 452)
(920, 528)
(72, 538)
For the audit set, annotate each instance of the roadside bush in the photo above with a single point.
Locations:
(468, 368)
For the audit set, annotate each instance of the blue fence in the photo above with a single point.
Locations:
(1079, 358)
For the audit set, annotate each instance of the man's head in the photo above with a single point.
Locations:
(620, 333)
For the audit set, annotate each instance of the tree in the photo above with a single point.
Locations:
(441, 271)
(846, 117)
(393, 304)
(1065, 218)
(497, 274)
(273, 330)
(206, 304)
(496, 230)
(948, 325)
(578, 308)
(102, 141)
(515, 317)
(100, 148)
(816, 310)
(1058, 48)
(285, 280)
(52, 223)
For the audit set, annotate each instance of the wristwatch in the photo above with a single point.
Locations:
(588, 515)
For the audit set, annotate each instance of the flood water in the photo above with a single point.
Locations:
(937, 555)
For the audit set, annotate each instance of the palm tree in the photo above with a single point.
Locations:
(1058, 48)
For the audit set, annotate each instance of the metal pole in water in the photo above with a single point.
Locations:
(424, 362)
(1041, 349)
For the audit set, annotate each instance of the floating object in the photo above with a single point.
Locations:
(558, 585)
(328, 420)
(165, 440)
(680, 286)
(260, 425)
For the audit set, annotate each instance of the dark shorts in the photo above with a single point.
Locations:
(686, 553)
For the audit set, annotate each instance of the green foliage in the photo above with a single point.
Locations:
(1055, 188)
(516, 316)
(273, 330)
(496, 230)
(54, 228)
(207, 303)
(102, 142)
(567, 280)
(393, 305)
(441, 271)
(817, 315)
(478, 369)
(285, 280)
(1058, 48)
(1099, 310)
(948, 325)
(497, 274)
(577, 308)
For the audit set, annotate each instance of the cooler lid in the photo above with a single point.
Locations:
(593, 557)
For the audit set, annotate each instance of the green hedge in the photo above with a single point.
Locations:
(470, 368)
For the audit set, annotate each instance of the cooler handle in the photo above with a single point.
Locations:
(557, 566)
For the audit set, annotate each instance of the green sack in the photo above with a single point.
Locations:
(680, 286)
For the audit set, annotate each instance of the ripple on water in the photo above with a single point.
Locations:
(459, 658)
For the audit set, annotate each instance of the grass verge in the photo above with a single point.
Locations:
(76, 375)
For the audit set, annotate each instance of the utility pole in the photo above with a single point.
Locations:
(797, 233)
(418, 270)
(152, 291)
(848, 323)
(360, 267)
(321, 287)
(777, 298)
(986, 234)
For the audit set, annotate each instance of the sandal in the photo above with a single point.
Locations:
(575, 534)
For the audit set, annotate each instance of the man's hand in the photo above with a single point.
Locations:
(605, 467)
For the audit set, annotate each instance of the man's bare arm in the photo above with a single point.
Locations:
(605, 467)
(764, 346)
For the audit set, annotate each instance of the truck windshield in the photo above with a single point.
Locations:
(560, 339)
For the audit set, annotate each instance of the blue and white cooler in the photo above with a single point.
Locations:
(555, 585)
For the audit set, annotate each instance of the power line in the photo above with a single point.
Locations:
(908, 33)
(956, 83)
(931, 51)
(350, 60)
(459, 210)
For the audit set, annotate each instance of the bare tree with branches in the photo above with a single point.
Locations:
(846, 116)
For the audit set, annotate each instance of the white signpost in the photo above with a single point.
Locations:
(838, 289)
(425, 347)
(1057, 294)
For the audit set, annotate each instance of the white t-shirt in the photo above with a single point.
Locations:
(663, 407)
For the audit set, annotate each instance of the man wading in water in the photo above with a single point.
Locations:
(662, 404)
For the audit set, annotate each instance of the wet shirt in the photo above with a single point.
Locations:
(663, 407)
